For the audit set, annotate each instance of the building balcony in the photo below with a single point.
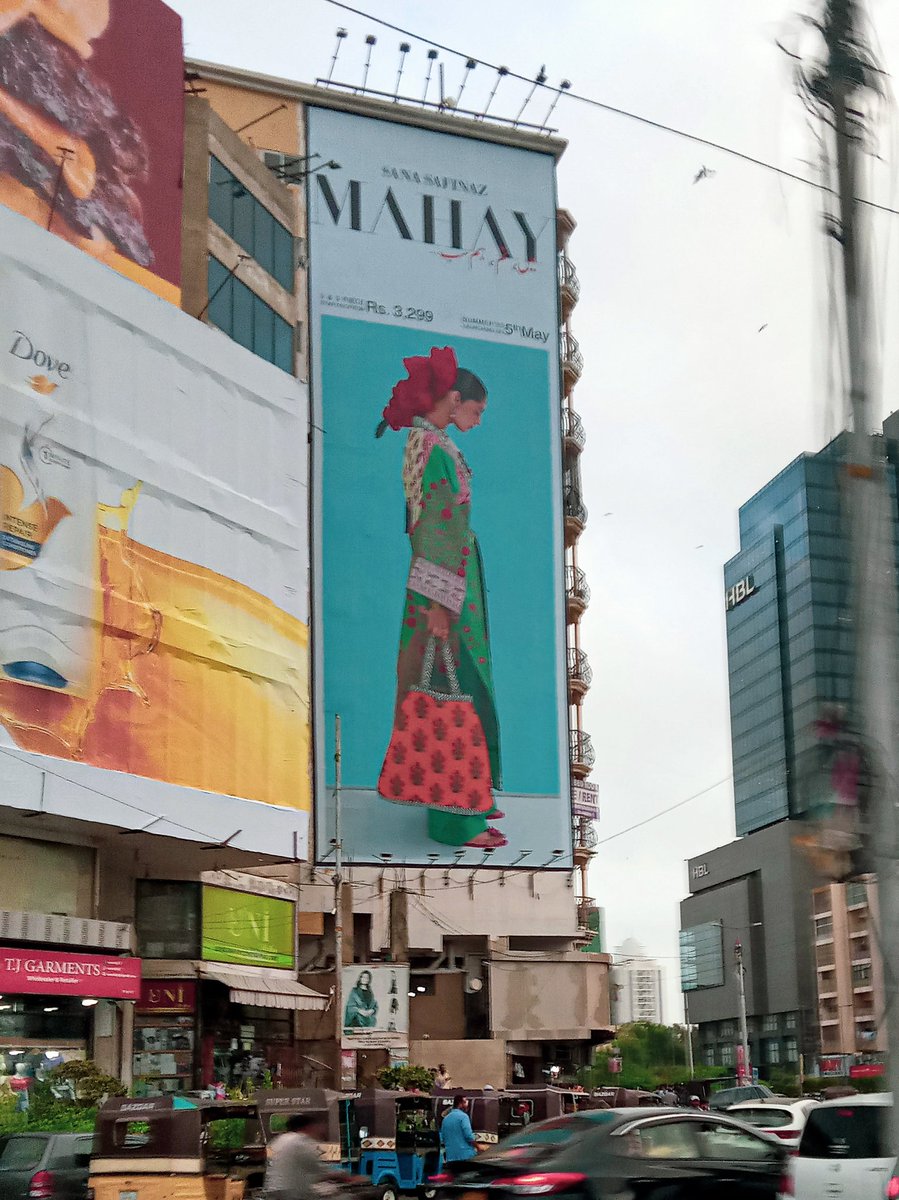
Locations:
(585, 906)
(572, 360)
(580, 674)
(583, 756)
(565, 226)
(575, 514)
(573, 433)
(569, 285)
(577, 592)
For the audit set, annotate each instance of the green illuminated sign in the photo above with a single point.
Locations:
(254, 931)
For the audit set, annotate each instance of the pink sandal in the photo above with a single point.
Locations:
(490, 839)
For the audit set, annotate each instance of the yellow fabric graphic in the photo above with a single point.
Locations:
(197, 680)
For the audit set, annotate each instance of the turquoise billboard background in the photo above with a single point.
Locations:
(514, 456)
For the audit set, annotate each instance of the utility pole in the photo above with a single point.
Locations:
(338, 906)
(848, 81)
(688, 1031)
(745, 1072)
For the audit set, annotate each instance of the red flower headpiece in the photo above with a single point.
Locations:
(429, 379)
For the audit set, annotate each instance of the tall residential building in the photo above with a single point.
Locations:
(636, 985)
(500, 987)
(848, 968)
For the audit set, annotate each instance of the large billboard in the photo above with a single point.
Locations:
(153, 561)
(437, 496)
(91, 129)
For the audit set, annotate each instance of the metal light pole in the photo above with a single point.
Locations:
(338, 905)
(847, 83)
(746, 1071)
(688, 1032)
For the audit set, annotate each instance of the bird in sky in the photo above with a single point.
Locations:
(761, 327)
(704, 173)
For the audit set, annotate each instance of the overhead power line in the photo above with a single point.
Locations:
(664, 812)
(615, 110)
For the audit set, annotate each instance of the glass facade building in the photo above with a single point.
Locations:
(789, 630)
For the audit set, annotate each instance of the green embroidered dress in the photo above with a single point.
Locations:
(446, 569)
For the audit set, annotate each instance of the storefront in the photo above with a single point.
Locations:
(225, 1013)
(55, 1006)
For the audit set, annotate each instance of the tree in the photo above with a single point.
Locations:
(650, 1056)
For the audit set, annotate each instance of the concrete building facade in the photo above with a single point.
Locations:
(637, 986)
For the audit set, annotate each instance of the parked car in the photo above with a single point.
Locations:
(843, 1151)
(727, 1097)
(651, 1153)
(44, 1166)
(785, 1119)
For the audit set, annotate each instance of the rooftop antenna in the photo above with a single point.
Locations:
(563, 87)
(404, 50)
(538, 82)
(341, 34)
(370, 41)
(470, 65)
(501, 72)
(432, 54)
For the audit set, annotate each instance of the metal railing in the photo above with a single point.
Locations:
(575, 508)
(568, 277)
(582, 752)
(579, 669)
(576, 587)
(573, 428)
(570, 352)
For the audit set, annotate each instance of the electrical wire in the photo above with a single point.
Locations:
(664, 811)
(614, 110)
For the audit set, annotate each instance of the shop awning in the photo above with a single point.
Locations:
(267, 991)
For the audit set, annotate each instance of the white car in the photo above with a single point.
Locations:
(844, 1151)
(785, 1119)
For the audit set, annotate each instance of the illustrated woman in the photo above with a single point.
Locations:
(361, 1010)
(445, 607)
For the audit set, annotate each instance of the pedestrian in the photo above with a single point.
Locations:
(456, 1135)
(295, 1166)
(442, 1078)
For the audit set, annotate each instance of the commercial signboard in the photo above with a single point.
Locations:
(585, 800)
(251, 930)
(437, 502)
(91, 130)
(869, 1070)
(375, 1007)
(153, 561)
(52, 973)
(175, 996)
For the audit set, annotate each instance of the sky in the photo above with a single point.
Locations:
(703, 320)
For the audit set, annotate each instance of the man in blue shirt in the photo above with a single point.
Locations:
(456, 1133)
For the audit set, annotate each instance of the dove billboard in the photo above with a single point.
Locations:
(153, 561)
(434, 329)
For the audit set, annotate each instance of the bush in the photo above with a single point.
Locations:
(402, 1078)
(45, 1112)
(91, 1086)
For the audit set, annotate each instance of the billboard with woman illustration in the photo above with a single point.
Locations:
(439, 574)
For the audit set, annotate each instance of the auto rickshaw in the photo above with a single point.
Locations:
(619, 1097)
(399, 1139)
(341, 1147)
(164, 1147)
(493, 1115)
(549, 1102)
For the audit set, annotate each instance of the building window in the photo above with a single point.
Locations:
(235, 210)
(167, 919)
(727, 1056)
(791, 1050)
(770, 1024)
(772, 1050)
(708, 1056)
(856, 893)
(790, 1020)
(824, 927)
(726, 1029)
(242, 315)
(861, 973)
